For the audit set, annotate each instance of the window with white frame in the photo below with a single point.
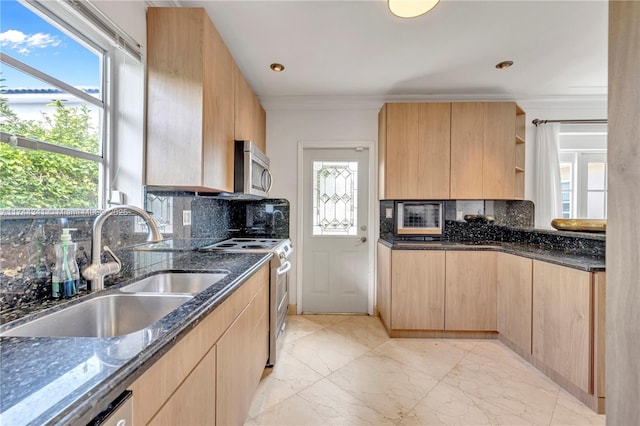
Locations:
(583, 170)
(55, 108)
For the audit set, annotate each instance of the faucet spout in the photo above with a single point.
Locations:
(96, 272)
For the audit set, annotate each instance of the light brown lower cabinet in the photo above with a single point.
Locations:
(193, 403)
(514, 277)
(436, 290)
(470, 300)
(383, 284)
(553, 315)
(417, 290)
(209, 375)
(562, 328)
(242, 354)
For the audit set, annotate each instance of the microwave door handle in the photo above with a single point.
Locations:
(269, 180)
(265, 180)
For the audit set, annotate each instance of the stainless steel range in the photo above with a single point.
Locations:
(279, 279)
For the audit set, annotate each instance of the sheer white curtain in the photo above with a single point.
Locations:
(548, 193)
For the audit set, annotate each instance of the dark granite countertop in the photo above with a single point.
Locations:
(570, 259)
(69, 380)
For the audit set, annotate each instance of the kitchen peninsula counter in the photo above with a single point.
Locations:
(69, 380)
(584, 262)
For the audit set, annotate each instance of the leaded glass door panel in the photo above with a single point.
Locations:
(335, 250)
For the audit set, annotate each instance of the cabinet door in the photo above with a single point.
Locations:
(175, 78)
(562, 303)
(250, 117)
(417, 289)
(241, 356)
(218, 114)
(417, 151)
(467, 146)
(514, 299)
(190, 102)
(193, 403)
(470, 291)
(499, 153)
(483, 150)
(384, 284)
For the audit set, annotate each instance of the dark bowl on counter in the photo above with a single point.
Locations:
(479, 218)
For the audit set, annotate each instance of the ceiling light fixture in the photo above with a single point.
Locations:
(504, 65)
(277, 67)
(411, 8)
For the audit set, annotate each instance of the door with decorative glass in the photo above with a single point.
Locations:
(335, 269)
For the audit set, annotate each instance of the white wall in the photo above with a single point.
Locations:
(291, 123)
(128, 16)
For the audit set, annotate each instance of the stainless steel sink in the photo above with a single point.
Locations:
(175, 282)
(104, 316)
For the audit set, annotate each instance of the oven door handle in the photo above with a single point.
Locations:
(284, 268)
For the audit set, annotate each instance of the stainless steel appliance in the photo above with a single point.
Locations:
(278, 283)
(251, 176)
(419, 218)
(118, 413)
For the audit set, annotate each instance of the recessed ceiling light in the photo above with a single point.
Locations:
(411, 8)
(504, 65)
(277, 67)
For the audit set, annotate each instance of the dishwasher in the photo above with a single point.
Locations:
(118, 413)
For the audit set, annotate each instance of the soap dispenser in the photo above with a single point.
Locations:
(64, 282)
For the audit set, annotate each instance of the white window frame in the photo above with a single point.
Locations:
(94, 29)
(580, 159)
(571, 157)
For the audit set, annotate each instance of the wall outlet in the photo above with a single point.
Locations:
(388, 213)
(186, 217)
(459, 215)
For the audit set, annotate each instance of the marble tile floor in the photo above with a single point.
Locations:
(345, 370)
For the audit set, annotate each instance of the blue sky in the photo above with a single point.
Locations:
(30, 39)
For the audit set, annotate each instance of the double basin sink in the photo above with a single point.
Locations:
(135, 307)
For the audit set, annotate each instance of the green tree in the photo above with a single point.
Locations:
(41, 179)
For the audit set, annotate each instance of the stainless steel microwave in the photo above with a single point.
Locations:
(251, 175)
(419, 217)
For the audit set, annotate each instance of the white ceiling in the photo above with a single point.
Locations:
(357, 48)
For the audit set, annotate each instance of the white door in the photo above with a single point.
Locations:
(335, 261)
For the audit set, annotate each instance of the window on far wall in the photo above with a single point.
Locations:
(583, 170)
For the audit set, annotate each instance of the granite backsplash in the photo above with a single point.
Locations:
(27, 239)
(28, 255)
(513, 223)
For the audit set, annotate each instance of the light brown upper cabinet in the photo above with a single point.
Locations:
(460, 150)
(190, 102)
(520, 153)
(413, 156)
(250, 117)
(483, 150)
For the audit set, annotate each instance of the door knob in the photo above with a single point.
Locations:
(363, 239)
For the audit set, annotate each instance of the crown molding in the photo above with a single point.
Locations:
(163, 3)
(576, 102)
(272, 103)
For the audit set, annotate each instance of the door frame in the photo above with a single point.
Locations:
(371, 216)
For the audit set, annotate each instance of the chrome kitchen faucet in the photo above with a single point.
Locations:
(96, 272)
